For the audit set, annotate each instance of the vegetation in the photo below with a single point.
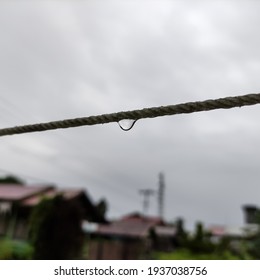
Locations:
(182, 235)
(102, 207)
(254, 244)
(55, 230)
(200, 242)
(186, 254)
(199, 246)
(15, 250)
(10, 179)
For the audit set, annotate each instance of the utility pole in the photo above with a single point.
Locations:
(146, 193)
(161, 191)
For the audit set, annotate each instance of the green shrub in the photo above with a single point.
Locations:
(55, 230)
(185, 254)
(15, 250)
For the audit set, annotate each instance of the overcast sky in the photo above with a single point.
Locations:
(69, 59)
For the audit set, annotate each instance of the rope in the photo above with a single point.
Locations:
(184, 108)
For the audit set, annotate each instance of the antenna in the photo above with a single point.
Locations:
(146, 193)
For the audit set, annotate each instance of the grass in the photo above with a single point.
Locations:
(184, 254)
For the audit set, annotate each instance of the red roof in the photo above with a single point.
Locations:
(34, 200)
(130, 226)
(13, 192)
(217, 230)
(32, 195)
(138, 217)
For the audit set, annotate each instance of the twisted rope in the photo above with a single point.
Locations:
(184, 108)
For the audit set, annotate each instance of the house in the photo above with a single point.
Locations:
(217, 232)
(131, 237)
(236, 235)
(17, 202)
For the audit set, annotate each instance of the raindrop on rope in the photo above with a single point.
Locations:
(126, 124)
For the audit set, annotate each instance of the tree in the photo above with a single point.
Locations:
(255, 244)
(10, 179)
(102, 207)
(181, 235)
(200, 242)
(55, 229)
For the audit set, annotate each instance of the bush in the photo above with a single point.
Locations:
(55, 230)
(15, 250)
(185, 254)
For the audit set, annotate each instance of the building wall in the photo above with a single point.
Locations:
(3, 224)
(13, 226)
(120, 249)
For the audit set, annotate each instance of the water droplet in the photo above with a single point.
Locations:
(126, 124)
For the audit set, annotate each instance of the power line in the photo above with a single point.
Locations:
(183, 108)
